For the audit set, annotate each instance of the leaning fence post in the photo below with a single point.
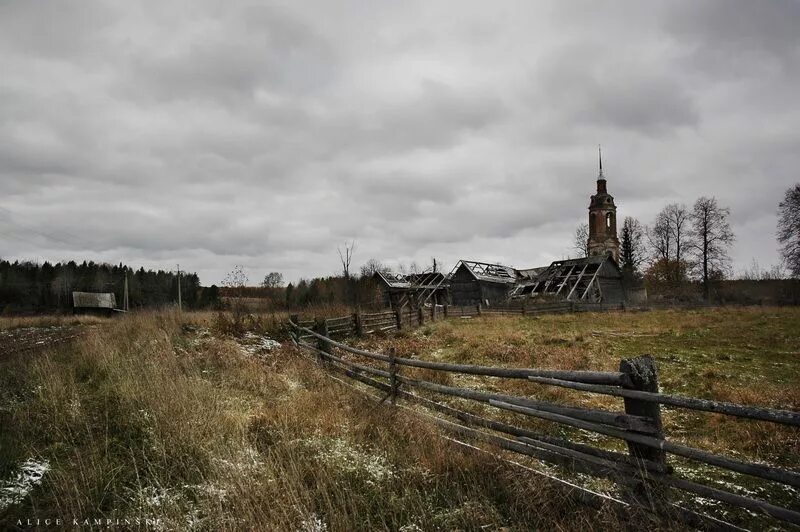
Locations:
(479, 309)
(357, 323)
(643, 375)
(294, 331)
(444, 311)
(433, 311)
(393, 374)
(420, 316)
(398, 318)
(322, 329)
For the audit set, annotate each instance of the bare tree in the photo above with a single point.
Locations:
(581, 242)
(631, 247)
(668, 238)
(680, 226)
(236, 278)
(659, 236)
(346, 257)
(789, 229)
(712, 237)
(373, 266)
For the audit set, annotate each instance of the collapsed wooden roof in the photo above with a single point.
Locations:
(572, 279)
(493, 273)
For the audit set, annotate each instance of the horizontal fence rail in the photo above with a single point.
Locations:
(639, 425)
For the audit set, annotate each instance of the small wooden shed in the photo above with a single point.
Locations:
(103, 303)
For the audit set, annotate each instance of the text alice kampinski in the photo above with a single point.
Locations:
(58, 522)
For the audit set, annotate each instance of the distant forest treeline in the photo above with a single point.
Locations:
(33, 287)
(333, 290)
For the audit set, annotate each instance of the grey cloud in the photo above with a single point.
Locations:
(214, 134)
(587, 88)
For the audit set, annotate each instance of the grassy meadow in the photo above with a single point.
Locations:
(745, 355)
(196, 421)
(162, 416)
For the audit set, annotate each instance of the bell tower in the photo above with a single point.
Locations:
(603, 219)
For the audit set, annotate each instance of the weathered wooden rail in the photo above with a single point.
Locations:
(644, 471)
(359, 324)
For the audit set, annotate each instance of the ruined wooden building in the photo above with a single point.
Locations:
(593, 279)
(416, 289)
(478, 282)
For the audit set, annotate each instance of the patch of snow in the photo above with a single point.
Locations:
(351, 458)
(246, 461)
(254, 344)
(313, 523)
(14, 490)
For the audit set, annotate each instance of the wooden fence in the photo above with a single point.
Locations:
(644, 469)
(359, 324)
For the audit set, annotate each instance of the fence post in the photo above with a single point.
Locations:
(421, 316)
(444, 311)
(294, 318)
(324, 345)
(525, 306)
(433, 311)
(357, 323)
(643, 376)
(393, 374)
(398, 318)
(479, 309)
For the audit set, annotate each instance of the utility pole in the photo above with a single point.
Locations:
(180, 306)
(125, 294)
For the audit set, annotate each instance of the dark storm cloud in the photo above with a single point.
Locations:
(214, 134)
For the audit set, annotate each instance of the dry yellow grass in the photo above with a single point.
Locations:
(146, 417)
(744, 355)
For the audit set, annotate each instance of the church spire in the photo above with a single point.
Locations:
(600, 158)
(601, 179)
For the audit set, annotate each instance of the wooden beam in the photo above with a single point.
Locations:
(578, 281)
(566, 278)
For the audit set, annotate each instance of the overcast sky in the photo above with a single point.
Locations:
(219, 133)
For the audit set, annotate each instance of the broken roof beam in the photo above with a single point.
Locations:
(578, 281)
(566, 278)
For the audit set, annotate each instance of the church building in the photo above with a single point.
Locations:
(603, 220)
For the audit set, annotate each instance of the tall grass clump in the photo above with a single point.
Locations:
(146, 417)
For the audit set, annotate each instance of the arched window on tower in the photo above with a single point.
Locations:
(608, 221)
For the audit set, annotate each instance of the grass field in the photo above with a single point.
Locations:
(744, 355)
(170, 417)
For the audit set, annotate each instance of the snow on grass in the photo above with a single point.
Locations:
(254, 344)
(14, 490)
(246, 461)
(313, 523)
(350, 458)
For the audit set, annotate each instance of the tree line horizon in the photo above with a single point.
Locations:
(679, 248)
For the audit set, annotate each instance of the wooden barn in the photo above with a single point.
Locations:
(103, 303)
(416, 289)
(595, 279)
(480, 282)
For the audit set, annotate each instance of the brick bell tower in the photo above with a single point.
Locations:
(603, 219)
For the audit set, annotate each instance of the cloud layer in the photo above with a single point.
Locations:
(214, 134)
